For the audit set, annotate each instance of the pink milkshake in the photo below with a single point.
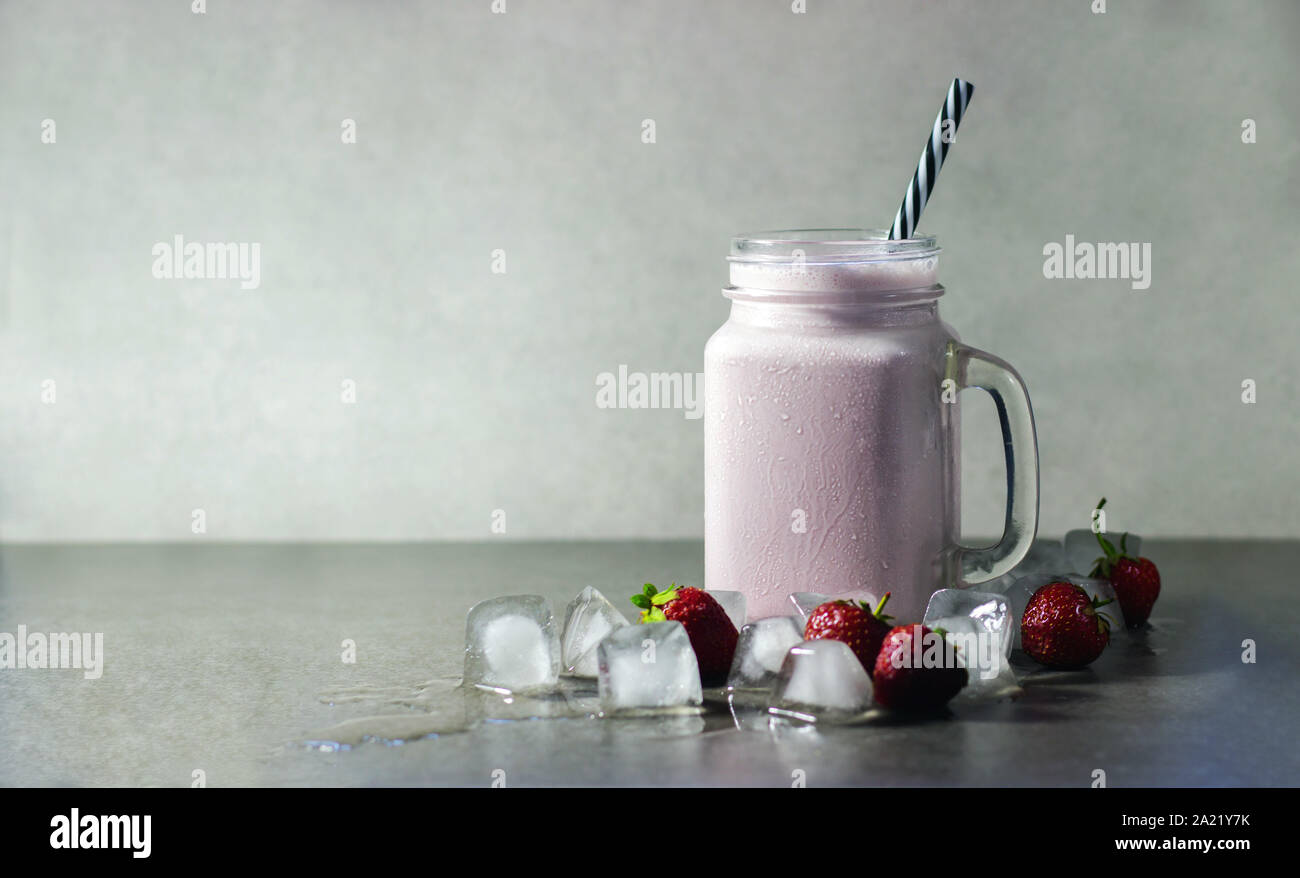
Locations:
(831, 438)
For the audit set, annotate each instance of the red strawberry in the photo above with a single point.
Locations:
(712, 634)
(856, 624)
(1136, 580)
(902, 679)
(1061, 627)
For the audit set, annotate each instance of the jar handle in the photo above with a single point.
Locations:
(970, 367)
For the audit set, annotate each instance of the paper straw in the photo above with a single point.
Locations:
(927, 169)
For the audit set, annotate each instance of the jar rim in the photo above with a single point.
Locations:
(828, 247)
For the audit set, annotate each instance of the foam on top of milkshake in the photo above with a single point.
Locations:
(831, 260)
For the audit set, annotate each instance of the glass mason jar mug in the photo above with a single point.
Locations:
(831, 430)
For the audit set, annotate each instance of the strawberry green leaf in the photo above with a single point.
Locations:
(649, 590)
(641, 601)
(1104, 621)
(664, 597)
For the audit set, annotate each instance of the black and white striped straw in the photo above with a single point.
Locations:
(927, 169)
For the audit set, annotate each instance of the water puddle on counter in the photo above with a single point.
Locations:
(443, 706)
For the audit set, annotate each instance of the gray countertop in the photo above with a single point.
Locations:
(227, 659)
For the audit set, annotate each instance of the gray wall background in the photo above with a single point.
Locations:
(476, 131)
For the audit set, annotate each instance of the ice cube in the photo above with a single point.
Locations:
(1017, 590)
(1082, 549)
(989, 676)
(734, 603)
(762, 649)
(807, 601)
(1044, 556)
(982, 653)
(822, 677)
(992, 612)
(982, 687)
(587, 620)
(1000, 585)
(648, 667)
(511, 645)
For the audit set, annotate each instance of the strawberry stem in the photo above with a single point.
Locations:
(1102, 566)
(878, 611)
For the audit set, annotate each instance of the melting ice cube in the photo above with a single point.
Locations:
(991, 612)
(824, 678)
(648, 667)
(984, 655)
(589, 618)
(511, 644)
(762, 649)
(1044, 556)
